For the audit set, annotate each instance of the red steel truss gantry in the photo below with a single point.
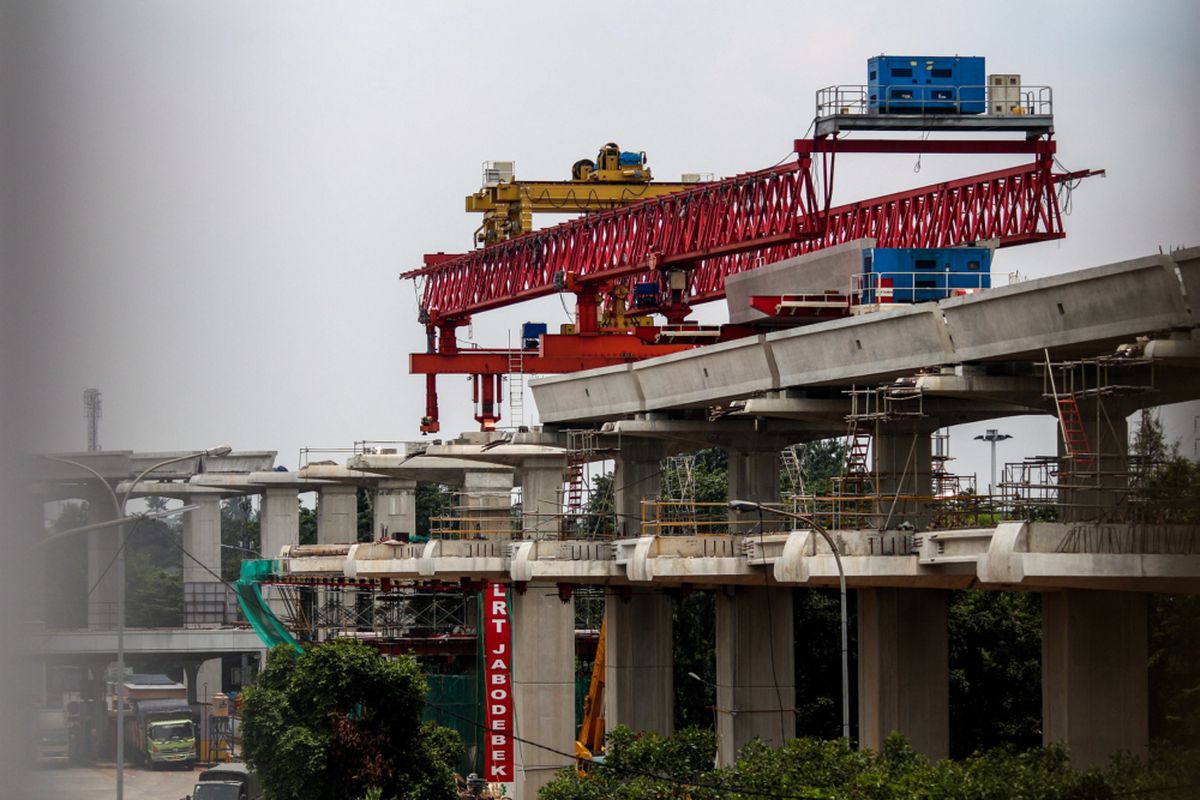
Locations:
(689, 242)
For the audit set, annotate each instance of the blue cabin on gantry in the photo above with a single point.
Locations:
(925, 85)
(923, 274)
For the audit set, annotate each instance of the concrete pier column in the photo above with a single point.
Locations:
(541, 496)
(203, 593)
(903, 458)
(395, 509)
(639, 686)
(280, 520)
(1091, 490)
(637, 476)
(337, 514)
(1094, 682)
(903, 669)
(753, 475)
(543, 665)
(487, 502)
(202, 539)
(756, 684)
(102, 547)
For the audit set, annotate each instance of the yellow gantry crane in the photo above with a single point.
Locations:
(615, 178)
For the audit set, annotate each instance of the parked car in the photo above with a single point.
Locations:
(232, 781)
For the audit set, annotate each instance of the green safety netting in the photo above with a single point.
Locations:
(454, 701)
(268, 627)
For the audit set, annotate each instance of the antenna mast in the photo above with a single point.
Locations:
(91, 410)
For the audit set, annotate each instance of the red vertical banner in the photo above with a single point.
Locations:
(497, 681)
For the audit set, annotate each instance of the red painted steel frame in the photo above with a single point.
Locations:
(714, 231)
(755, 209)
(727, 227)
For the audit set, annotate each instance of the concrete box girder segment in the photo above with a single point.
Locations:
(420, 468)
(118, 465)
(1101, 307)
(681, 435)
(258, 482)
(1094, 307)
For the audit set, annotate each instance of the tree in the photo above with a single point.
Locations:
(995, 654)
(340, 720)
(820, 462)
(154, 593)
(432, 500)
(693, 619)
(154, 574)
(241, 534)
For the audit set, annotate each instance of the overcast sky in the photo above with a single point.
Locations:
(217, 197)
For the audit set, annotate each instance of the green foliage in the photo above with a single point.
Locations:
(820, 462)
(1174, 670)
(995, 641)
(339, 720)
(817, 637)
(601, 508)
(651, 766)
(365, 514)
(635, 766)
(693, 620)
(154, 575)
(432, 500)
(712, 476)
(1172, 491)
(240, 533)
(154, 596)
(308, 528)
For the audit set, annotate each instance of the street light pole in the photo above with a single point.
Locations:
(750, 505)
(119, 510)
(992, 435)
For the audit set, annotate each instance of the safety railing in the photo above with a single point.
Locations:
(925, 99)
(885, 286)
(494, 525)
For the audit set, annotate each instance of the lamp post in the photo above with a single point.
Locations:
(992, 436)
(119, 511)
(750, 505)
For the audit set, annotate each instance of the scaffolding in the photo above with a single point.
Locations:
(679, 487)
(798, 500)
(1068, 383)
(432, 614)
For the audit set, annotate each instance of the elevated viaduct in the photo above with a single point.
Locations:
(1110, 340)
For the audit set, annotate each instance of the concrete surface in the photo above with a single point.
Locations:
(1075, 314)
(99, 783)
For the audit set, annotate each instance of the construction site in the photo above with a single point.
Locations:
(856, 337)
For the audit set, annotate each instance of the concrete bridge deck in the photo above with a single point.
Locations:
(1013, 555)
(1077, 314)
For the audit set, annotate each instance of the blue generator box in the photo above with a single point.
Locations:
(921, 275)
(531, 332)
(926, 85)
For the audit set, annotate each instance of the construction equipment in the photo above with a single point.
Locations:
(591, 731)
(674, 251)
(615, 178)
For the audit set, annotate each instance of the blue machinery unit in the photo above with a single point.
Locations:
(918, 275)
(925, 85)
